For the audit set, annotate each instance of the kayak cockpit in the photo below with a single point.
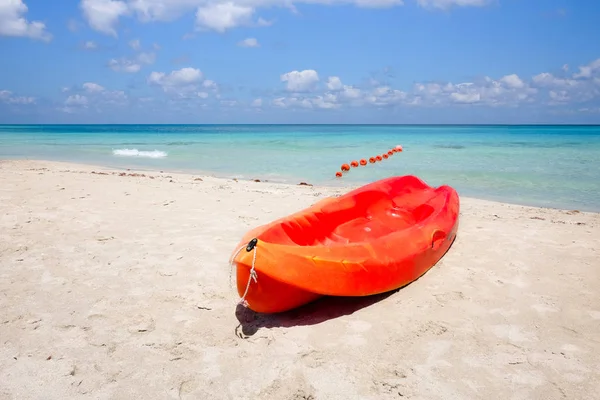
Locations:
(366, 217)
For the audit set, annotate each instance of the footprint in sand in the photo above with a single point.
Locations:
(504, 312)
(543, 308)
(570, 348)
(141, 324)
(294, 387)
(93, 317)
(518, 281)
(359, 326)
(518, 266)
(187, 386)
(594, 314)
(530, 379)
(354, 338)
(212, 367)
(512, 333)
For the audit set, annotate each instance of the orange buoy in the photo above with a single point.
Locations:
(390, 153)
(345, 167)
(385, 155)
(338, 174)
(378, 158)
(372, 160)
(354, 164)
(399, 148)
(363, 162)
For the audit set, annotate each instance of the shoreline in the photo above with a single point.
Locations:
(118, 285)
(298, 124)
(341, 188)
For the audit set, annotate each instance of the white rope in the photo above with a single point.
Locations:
(231, 260)
(253, 274)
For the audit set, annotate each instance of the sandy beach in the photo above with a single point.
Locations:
(115, 284)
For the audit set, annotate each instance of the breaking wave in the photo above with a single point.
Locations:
(138, 153)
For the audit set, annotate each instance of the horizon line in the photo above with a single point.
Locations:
(296, 124)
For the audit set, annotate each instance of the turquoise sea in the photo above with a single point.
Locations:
(551, 166)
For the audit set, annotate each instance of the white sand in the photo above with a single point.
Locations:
(116, 287)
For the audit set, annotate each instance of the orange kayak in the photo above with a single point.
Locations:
(371, 240)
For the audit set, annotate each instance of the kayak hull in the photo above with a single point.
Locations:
(377, 238)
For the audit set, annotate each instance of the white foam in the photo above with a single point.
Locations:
(138, 153)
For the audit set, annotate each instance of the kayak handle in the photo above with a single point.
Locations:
(251, 245)
(437, 238)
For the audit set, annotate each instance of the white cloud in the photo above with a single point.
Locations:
(376, 3)
(131, 65)
(547, 79)
(350, 92)
(92, 87)
(135, 44)
(588, 110)
(328, 101)
(208, 84)
(385, 96)
(467, 98)
(279, 102)
(115, 97)
(344, 92)
(300, 81)
(263, 22)
(512, 81)
(12, 22)
(93, 96)
(509, 90)
(579, 87)
(181, 77)
(124, 65)
(102, 15)
(445, 4)
(6, 96)
(186, 83)
(90, 45)
(221, 15)
(289, 102)
(506, 91)
(587, 71)
(334, 83)
(76, 100)
(325, 101)
(146, 58)
(257, 103)
(560, 96)
(249, 42)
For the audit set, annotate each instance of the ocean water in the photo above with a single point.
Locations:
(550, 166)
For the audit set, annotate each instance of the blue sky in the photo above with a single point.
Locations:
(305, 61)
